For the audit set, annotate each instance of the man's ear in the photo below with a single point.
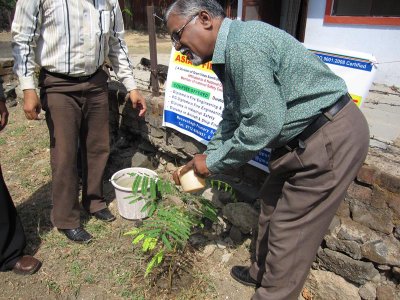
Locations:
(205, 19)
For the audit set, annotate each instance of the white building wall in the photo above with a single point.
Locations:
(381, 41)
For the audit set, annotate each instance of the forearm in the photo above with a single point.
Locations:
(118, 51)
(25, 32)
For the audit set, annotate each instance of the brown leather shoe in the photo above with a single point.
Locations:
(27, 265)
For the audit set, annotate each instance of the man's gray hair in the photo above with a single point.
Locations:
(188, 8)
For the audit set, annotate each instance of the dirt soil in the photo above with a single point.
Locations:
(109, 267)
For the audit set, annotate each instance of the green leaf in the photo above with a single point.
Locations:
(134, 231)
(156, 259)
(152, 209)
(136, 184)
(137, 198)
(146, 206)
(145, 185)
(166, 241)
(138, 239)
(153, 189)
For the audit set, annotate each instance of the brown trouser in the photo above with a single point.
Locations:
(300, 198)
(76, 110)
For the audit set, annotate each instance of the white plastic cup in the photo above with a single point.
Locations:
(122, 183)
(190, 182)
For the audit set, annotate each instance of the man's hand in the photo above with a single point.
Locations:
(3, 115)
(199, 166)
(32, 105)
(138, 102)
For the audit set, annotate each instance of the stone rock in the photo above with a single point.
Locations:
(384, 251)
(226, 257)
(221, 244)
(350, 269)
(176, 141)
(352, 248)
(353, 231)
(170, 167)
(386, 292)
(367, 291)
(208, 250)
(236, 235)
(214, 196)
(359, 193)
(389, 182)
(146, 146)
(334, 226)
(141, 160)
(242, 215)
(220, 226)
(376, 219)
(396, 272)
(383, 267)
(327, 285)
(197, 240)
(343, 210)
(157, 132)
(192, 148)
(367, 174)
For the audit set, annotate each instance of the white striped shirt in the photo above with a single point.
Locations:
(71, 37)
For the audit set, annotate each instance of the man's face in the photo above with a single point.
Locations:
(189, 36)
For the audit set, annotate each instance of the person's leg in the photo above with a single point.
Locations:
(12, 236)
(270, 193)
(95, 142)
(63, 117)
(319, 178)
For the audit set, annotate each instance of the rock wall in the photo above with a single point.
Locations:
(8, 80)
(360, 255)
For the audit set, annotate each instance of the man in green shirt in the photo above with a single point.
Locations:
(279, 95)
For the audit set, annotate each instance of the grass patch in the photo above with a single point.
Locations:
(18, 131)
(2, 141)
(53, 286)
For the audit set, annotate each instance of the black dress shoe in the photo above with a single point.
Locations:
(242, 274)
(78, 235)
(104, 215)
(27, 265)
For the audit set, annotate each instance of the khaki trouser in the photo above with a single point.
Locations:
(299, 200)
(76, 110)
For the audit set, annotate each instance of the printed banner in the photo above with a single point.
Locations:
(357, 69)
(194, 98)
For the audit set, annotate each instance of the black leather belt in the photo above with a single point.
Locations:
(326, 116)
(70, 78)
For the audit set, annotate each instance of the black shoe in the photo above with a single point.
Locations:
(242, 274)
(104, 215)
(78, 235)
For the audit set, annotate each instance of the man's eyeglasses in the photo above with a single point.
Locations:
(176, 35)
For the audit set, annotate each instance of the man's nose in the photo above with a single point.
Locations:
(177, 46)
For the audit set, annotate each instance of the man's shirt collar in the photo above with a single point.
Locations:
(220, 44)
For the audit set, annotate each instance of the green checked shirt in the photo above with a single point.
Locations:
(273, 88)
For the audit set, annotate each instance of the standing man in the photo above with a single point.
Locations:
(277, 94)
(70, 40)
(12, 235)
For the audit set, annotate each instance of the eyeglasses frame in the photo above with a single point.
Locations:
(176, 35)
